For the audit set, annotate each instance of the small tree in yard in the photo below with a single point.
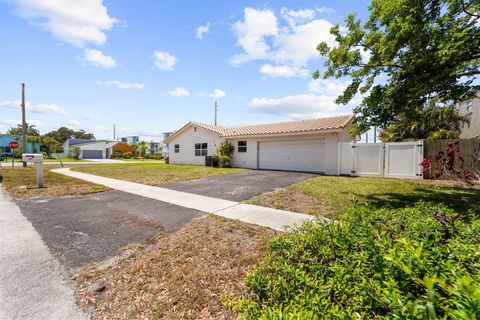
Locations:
(50, 145)
(142, 148)
(223, 154)
(74, 152)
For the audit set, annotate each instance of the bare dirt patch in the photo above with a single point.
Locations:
(184, 275)
(290, 200)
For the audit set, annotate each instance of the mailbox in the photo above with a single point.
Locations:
(36, 158)
(32, 157)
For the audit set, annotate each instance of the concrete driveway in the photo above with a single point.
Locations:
(240, 186)
(82, 229)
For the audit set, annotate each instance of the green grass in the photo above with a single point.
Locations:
(143, 160)
(154, 173)
(333, 194)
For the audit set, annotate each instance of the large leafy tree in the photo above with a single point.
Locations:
(64, 133)
(408, 52)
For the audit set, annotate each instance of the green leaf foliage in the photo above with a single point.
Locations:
(409, 263)
(412, 50)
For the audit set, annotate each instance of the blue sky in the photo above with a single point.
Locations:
(152, 66)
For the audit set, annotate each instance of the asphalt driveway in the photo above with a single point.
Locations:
(82, 229)
(240, 186)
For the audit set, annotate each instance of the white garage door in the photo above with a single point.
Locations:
(295, 155)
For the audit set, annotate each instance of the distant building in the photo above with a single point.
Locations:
(153, 148)
(96, 149)
(131, 139)
(470, 109)
(5, 139)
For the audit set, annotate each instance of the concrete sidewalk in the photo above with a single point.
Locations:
(33, 285)
(272, 218)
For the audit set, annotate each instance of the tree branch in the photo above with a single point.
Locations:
(464, 9)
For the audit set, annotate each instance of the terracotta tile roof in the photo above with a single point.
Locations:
(320, 124)
(330, 123)
(210, 127)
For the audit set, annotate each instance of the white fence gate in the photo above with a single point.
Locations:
(393, 159)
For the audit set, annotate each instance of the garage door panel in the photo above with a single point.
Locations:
(92, 154)
(293, 155)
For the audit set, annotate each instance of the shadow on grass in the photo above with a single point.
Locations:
(458, 199)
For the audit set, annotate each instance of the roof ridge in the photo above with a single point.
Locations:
(291, 121)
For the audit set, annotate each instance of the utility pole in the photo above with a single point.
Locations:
(24, 125)
(374, 134)
(114, 138)
(215, 112)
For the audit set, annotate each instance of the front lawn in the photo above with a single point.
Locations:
(331, 195)
(154, 173)
(22, 183)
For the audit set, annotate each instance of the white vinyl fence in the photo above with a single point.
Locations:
(393, 159)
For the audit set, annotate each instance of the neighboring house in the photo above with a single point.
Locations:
(470, 109)
(96, 149)
(131, 139)
(305, 145)
(5, 139)
(153, 148)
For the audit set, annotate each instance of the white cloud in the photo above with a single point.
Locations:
(252, 32)
(327, 87)
(44, 108)
(297, 16)
(99, 59)
(202, 31)
(290, 41)
(179, 92)
(164, 60)
(91, 117)
(120, 84)
(72, 21)
(296, 106)
(318, 102)
(283, 71)
(217, 94)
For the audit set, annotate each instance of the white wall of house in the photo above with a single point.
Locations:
(189, 137)
(187, 140)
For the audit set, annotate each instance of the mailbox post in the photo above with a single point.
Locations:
(36, 158)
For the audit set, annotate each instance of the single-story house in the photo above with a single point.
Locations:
(304, 145)
(5, 139)
(96, 149)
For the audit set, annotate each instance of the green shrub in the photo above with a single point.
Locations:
(410, 263)
(127, 155)
(223, 155)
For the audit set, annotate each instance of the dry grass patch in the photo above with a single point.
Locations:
(22, 183)
(154, 173)
(184, 275)
(290, 200)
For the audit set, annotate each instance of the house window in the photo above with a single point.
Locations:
(201, 149)
(177, 148)
(242, 146)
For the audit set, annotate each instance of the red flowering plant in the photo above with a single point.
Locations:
(449, 164)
